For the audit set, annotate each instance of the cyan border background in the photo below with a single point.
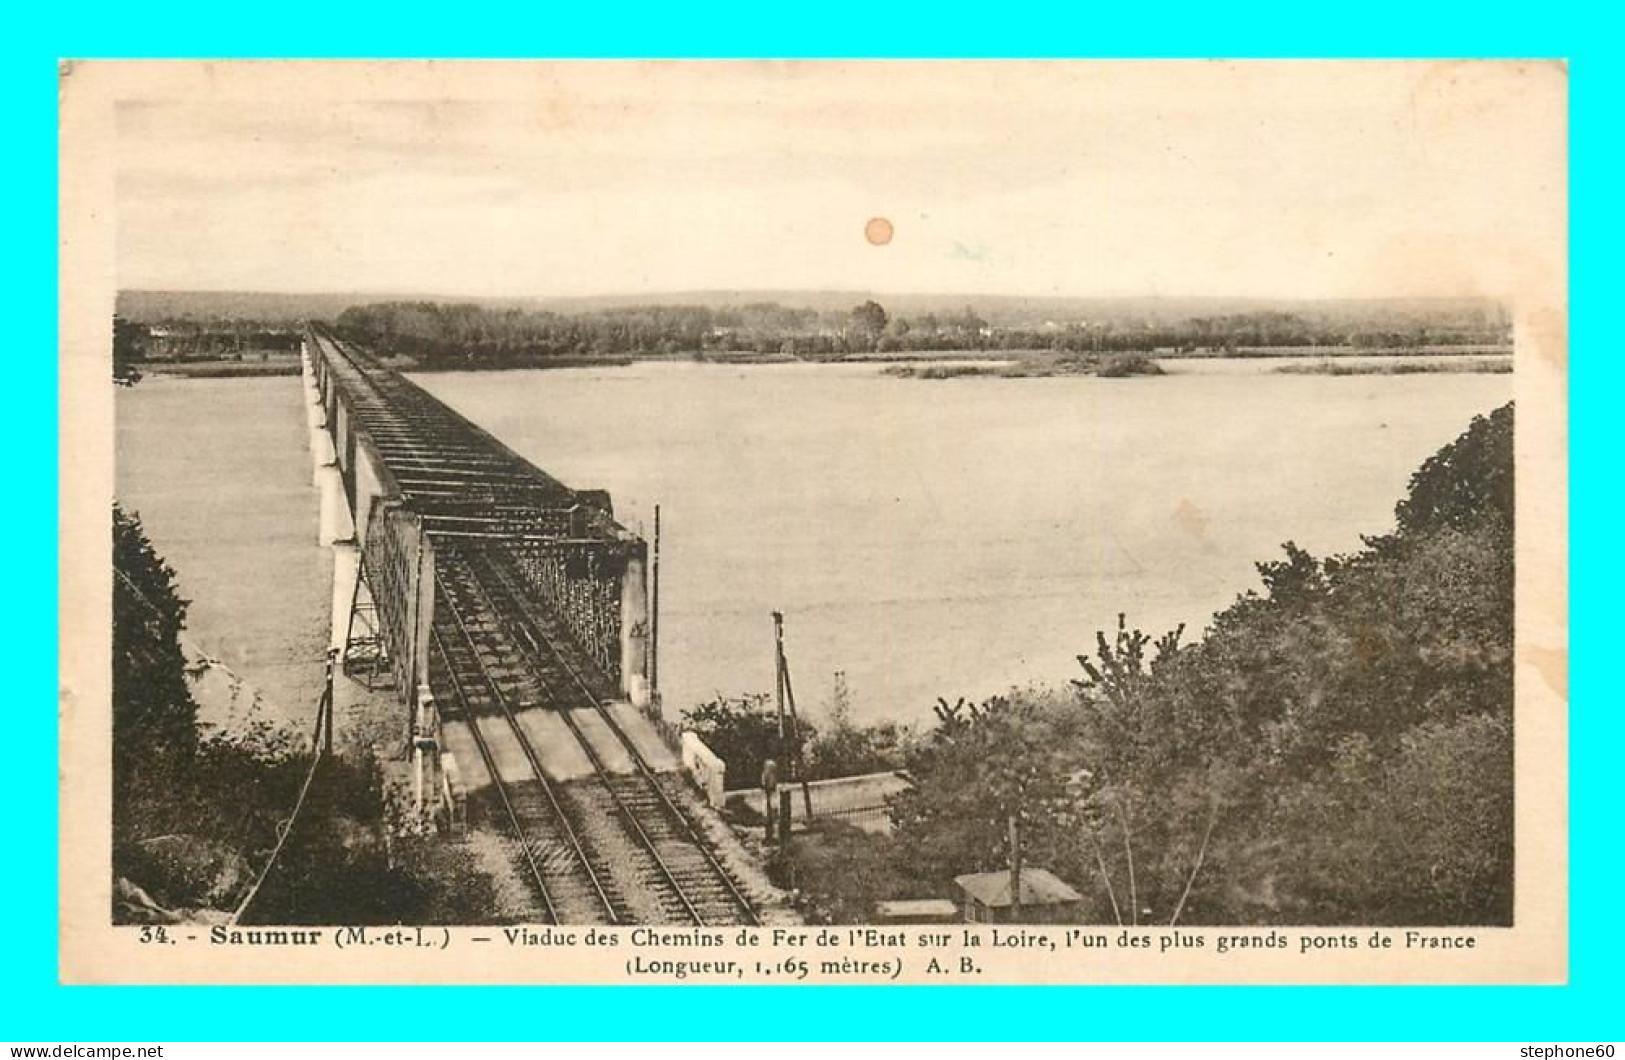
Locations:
(33, 38)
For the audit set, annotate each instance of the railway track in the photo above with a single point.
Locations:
(572, 885)
(672, 864)
(612, 846)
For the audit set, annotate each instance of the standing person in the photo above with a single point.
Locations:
(770, 791)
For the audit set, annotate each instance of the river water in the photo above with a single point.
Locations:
(956, 537)
(219, 471)
(929, 538)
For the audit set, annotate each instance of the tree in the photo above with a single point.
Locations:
(129, 349)
(1422, 836)
(1466, 483)
(843, 748)
(982, 765)
(193, 817)
(867, 322)
(970, 326)
(154, 716)
(153, 711)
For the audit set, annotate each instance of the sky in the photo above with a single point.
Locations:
(1290, 180)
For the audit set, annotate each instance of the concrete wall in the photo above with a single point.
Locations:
(707, 770)
(635, 629)
(856, 800)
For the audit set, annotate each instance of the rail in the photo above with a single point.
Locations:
(542, 651)
(571, 837)
(498, 785)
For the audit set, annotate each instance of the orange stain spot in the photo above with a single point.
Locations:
(878, 231)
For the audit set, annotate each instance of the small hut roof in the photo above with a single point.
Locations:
(1038, 887)
(904, 907)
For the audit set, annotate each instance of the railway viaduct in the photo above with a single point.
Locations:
(509, 613)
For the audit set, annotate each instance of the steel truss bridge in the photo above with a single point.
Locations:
(510, 614)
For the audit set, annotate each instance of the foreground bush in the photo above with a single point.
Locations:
(1334, 749)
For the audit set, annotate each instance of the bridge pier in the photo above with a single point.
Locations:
(315, 411)
(334, 521)
(336, 526)
(635, 629)
(346, 574)
(321, 454)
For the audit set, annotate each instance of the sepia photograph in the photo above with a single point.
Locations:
(814, 521)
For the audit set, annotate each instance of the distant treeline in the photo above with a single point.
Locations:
(473, 335)
(469, 335)
(201, 340)
(1001, 311)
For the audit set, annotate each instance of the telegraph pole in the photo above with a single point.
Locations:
(654, 615)
(789, 734)
(327, 697)
(778, 682)
(1015, 870)
(784, 735)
